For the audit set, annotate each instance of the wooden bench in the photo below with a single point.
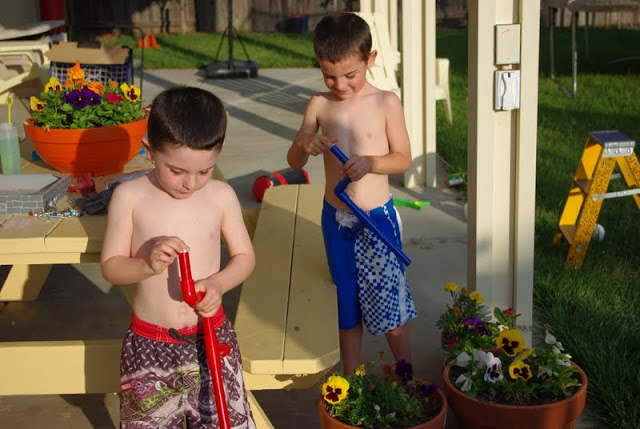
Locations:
(287, 316)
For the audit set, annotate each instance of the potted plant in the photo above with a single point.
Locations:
(86, 127)
(493, 381)
(386, 399)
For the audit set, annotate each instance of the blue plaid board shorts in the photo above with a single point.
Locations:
(370, 279)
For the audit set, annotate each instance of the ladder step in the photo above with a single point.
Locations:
(568, 232)
(584, 185)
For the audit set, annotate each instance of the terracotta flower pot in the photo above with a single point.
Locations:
(101, 151)
(474, 414)
(328, 422)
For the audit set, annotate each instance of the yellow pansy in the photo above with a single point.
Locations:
(53, 84)
(519, 369)
(450, 287)
(360, 370)
(132, 92)
(510, 341)
(523, 355)
(36, 104)
(335, 389)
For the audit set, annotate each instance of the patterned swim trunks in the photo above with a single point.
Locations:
(371, 281)
(164, 378)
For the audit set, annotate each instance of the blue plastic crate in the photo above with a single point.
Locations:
(97, 72)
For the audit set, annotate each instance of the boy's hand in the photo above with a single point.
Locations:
(164, 251)
(357, 167)
(316, 144)
(212, 299)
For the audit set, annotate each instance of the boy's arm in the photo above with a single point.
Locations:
(308, 141)
(118, 267)
(398, 160)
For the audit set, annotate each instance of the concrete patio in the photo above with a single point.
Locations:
(265, 114)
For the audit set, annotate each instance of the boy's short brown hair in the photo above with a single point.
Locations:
(186, 116)
(340, 35)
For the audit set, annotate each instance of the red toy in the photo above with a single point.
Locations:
(85, 185)
(210, 340)
(284, 177)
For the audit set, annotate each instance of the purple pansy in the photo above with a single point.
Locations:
(429, 389)
(82, 98)
(472, 321)
(404, 370)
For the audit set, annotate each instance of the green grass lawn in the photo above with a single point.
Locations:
(593, 311)
(270, 50)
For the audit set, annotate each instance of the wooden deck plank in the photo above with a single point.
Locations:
(312, 331)
(262, 311)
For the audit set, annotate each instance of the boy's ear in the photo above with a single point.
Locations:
(147, 147)
(371, 59)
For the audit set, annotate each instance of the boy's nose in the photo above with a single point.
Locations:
(189, 182)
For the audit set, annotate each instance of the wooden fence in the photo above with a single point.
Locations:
(88, 18)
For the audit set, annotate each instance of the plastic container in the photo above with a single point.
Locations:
(9, 149)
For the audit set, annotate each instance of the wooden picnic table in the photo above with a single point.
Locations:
(286, 319)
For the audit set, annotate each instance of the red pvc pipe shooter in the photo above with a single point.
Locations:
(210, 340)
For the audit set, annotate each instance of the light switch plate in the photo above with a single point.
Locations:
(507, 44)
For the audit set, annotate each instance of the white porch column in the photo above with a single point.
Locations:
(501, 161)
(418, 85)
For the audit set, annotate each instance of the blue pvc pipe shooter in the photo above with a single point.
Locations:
(362, 216)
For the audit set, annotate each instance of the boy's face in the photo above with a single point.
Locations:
(180, 170)
(348, 76)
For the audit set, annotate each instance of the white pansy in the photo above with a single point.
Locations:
(480, 357)
(549, 339)
(466, 383)
(502, 328)
(494, 368)
(544, 371)
(463, 360)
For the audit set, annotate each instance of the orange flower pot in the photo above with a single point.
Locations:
(438, 422)
(101, 151)
(474, 414)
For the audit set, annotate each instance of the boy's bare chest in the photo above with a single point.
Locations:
(192, 221)
(357, 127)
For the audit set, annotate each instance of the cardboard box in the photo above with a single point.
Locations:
(102, 63)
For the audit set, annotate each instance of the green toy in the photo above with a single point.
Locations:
(413, 204)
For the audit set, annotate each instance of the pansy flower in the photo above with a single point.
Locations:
(113, 97)
(465, 381)
(132, 92)
(82, 98)
(472, 321)
(519, 369)
(404, 370)
(53, 84)
(360, 370)
(335, 389)
(493, 373)
(510, 341)
(36, 104)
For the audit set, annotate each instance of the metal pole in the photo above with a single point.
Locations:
(552, 22)
(574, 56)
(230, 31)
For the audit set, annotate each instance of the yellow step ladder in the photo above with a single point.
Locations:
(602, 152)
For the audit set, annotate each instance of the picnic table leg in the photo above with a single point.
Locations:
(259, 416)
(24, 282)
